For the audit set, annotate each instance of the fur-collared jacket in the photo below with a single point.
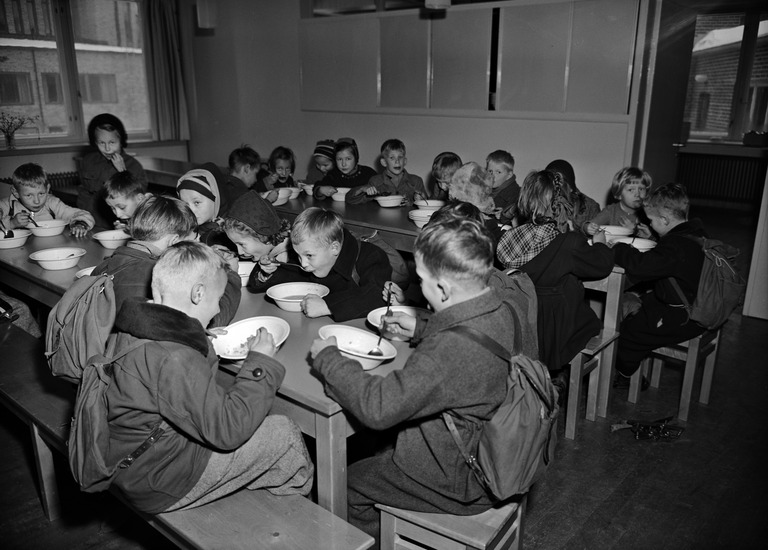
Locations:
(173, 378)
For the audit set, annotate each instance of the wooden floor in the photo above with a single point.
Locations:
(708, 489)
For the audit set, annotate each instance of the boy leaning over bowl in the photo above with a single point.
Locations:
(354, 271)
(446, 372)
(31, 199)
(216, 439)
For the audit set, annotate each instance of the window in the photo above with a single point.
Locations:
(14, 89)
(63, 75)
(726, 86)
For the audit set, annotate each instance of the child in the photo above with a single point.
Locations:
(661, 320)
(214, 439)
(394, 181)
(323, 159)
(210, 196)
(124, 193)
(447, 372)
(443, 168)
(584, 208)
(505, 190)
(244, 165)
(159, 222)
(557, 260)
(472, 184)
(31, 199)
(107, 134)
(255, 228)
(629, 187)
(346, 173)
(354, 271)
(282, 164)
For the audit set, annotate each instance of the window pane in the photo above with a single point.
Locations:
(715, 61)
(757, 110)
(28, 50)
(110, 60)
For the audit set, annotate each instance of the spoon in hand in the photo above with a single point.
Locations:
(376, 351)
(7, 233)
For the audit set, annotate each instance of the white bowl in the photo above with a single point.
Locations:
(288, 296)
(20, 236)
(309, 189)
(112, 239)
(48, 228)
(280, 200)
(343, 190)
(374, 318)
(234, 344)
(284, 192)
(390, 201)
(295, 192)
(339, 197)
(643, 245)
(85, 271)
(420, 223)
(58, 258)
(244, 270)
(613, 231)
(420, 214)
(431, 204)
(355, 343)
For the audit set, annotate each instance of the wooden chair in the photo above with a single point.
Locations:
(495, 529)
(691, 352)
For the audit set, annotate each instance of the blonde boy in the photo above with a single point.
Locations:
(500, 165)
(124, 192)
(31, 199)
(394, 181)
(354, 271)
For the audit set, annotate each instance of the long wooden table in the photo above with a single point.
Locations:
(301, 396)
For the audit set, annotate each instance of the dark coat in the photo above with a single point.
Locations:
(446, 372)
(566, 322)
(335, 178)
(173, 378)
(347, 299)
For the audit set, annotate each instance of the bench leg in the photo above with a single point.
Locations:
(709, 372)
(574, 393)
(46, 475)
(331, 463)
(607, 362)
(691, 363)
(593, 389)
(656, 366)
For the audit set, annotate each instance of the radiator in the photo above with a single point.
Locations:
(63, 180)
(722, 178)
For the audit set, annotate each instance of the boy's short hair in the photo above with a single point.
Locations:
(502, 157)
(346, 144)
(392, 145)
(160, 215)
(243, 156)
(326, 226)
(124, 184)
(282, 153)
(184, 264)
(231, 224)
(460, 249)
(670, 197)
(445, 162)
(456, 210)
(28, 175)
(470, 183)
(627, 176)
(110, 123)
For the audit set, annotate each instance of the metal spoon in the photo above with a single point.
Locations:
(376, 351)
(7, 233)
(32, 219)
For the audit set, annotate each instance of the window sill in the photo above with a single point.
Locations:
(723, 149)
(135, 148)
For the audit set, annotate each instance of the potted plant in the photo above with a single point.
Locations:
(9, 123)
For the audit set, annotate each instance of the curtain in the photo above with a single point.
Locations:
(166, 70)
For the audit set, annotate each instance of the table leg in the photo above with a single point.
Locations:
(46, 475)
(331, 463)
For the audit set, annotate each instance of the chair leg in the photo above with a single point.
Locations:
(690, 373)
(635, 383)
(592, 389)
(709, 371)
(656, 364)
(607, 361)
(574, 392)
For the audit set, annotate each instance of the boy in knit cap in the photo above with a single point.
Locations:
(324, 161)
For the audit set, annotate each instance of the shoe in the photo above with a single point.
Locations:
(621, 381)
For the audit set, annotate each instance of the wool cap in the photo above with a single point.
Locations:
(258, 214)
(325, 148)
(209, 181)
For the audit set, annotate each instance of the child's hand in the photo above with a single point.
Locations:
(643, 231)
(398, 323)
(78, 229)
(394, 292)
(268, 265)
(118, 162)
(227, 255)
(371, 190)
(314, 306)
(319, 345)
(21, 219)
(262, 342)
(591, 228)
(270, 196)
(599, 237)
(626, 224)
(270, 180)
(120, 224)
(326, 190)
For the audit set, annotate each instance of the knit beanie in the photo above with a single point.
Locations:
(210, 181)
(325, 148)
(256, 213)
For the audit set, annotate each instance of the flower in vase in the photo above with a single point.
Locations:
(9, 123)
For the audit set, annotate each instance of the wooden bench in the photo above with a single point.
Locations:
(495, 529)
(246, 519)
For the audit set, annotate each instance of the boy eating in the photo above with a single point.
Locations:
(394, 181)
(124, 192)
(447, 372)
(215, 440)
(354, 271)
(255, 229)
(30, 200)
